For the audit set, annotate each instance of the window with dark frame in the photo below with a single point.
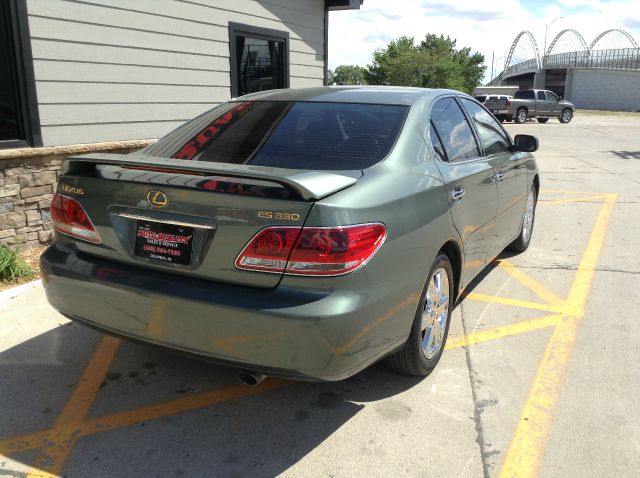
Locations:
(259, 59)
(19, 122)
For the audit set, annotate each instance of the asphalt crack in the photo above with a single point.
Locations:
(477, 405)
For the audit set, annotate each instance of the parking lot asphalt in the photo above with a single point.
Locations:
(540, 376)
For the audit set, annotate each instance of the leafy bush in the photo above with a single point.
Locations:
(12, 266)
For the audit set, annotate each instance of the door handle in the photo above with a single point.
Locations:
(500, 175)
(457, 193)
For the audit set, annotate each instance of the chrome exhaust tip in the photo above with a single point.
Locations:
(250, 378)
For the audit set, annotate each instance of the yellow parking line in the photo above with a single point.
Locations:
(551, 202)
(505, 331)
(52, 458)
(530, 283)
(564, 191)
(20, 444)
(492, 299)
(527, 446)
(180, 405)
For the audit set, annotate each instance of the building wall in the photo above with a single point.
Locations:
(28, 179)
(112, 70)
(616, 90)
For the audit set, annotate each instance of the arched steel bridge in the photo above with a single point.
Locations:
(612, 49)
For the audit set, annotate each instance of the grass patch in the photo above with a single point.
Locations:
(13, 267)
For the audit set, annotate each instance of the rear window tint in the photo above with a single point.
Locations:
(297, 135)
(525, 95)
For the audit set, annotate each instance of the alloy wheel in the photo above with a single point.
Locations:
(527, 222)
(435, 313)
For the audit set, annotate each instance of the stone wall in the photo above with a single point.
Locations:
(28, 179)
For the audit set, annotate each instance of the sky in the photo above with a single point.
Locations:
(487, 26)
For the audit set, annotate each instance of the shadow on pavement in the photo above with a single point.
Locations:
(263, 434)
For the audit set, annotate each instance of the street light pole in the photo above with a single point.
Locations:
(546, 27)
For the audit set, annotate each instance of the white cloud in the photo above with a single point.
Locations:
(488, 27)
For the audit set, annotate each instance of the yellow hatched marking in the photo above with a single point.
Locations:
(527, 446)
(564, 191)
(515, 302)
(532, 284)
(551, 202)
(502, 332)
(52, 458)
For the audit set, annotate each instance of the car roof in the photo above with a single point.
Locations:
(390, 95)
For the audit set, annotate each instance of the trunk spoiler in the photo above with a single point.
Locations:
(309, 185)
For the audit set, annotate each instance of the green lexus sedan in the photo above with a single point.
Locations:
(302, 233)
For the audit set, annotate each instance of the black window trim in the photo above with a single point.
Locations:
(473, 132)
(27, 97)
(477, 133)
(236, 29)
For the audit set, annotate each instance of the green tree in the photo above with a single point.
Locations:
(434, 63)
(347, 75)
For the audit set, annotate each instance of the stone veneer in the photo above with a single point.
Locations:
(28, 179)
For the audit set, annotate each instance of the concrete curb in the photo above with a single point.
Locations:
(7, 295)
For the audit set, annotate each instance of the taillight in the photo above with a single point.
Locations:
(508, 103)
(314, 251)
(70, 218)
(269, 250)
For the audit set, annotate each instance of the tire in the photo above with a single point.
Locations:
(521, 116)
(566, 116)
(523, 240)
(414, 358)
(543, 120)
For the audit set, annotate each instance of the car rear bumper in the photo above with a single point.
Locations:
(283, 331)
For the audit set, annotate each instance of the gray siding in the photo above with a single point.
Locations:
(616, 90)
(120, 69)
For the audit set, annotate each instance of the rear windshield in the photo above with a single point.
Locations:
(297, 135)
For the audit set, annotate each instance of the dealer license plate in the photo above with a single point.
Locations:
(169, 243)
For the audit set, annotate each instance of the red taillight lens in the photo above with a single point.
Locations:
(269, 250)
(70, 218)
(318, 251)
(508, 103)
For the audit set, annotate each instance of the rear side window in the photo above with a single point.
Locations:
(453, 130)
(525, 95)
(492, 136)
(296, 135)
(437, 144)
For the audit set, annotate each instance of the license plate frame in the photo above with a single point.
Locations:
(164, 242)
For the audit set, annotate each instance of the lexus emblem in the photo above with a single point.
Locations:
(157, 199)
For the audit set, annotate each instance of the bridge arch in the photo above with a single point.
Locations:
(529, 35)
(614, 30)
(575, 33)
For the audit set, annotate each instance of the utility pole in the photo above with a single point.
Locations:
(493, 56)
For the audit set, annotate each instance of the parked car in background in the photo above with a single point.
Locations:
(300, 233)
(540, 104)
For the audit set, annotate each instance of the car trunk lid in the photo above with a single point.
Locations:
(186, 217)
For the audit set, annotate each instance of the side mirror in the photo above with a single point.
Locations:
(559, 98)
(525, 143)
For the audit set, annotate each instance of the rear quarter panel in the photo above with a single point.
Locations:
(406, 193)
